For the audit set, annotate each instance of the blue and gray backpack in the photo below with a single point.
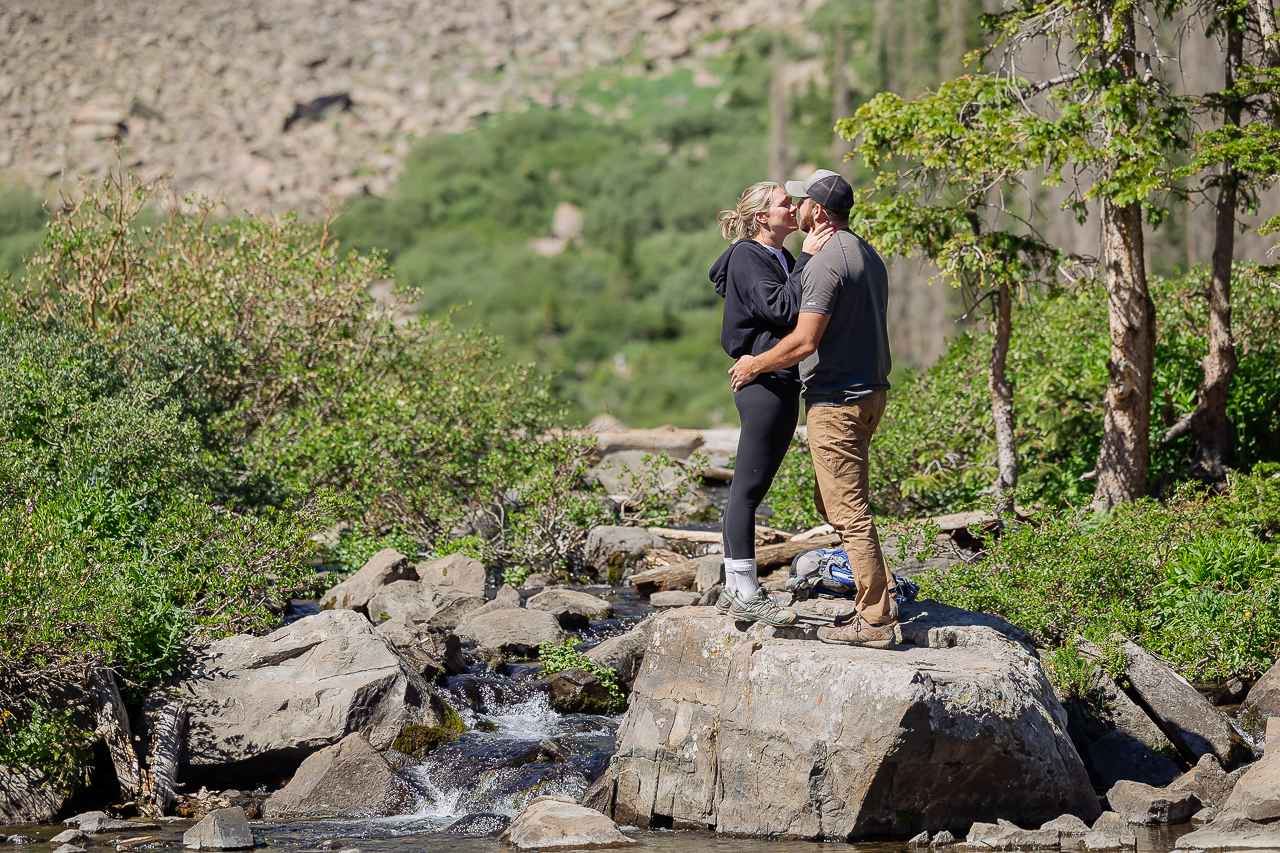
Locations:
(826, 572)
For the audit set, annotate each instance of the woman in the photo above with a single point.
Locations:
(760, 283)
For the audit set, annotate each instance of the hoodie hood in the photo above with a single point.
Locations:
(720, 271)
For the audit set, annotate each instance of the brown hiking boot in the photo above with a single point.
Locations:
(859, 633)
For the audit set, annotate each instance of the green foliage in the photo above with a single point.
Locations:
(1192, 579)
(1068, 671)
(559, 657)
(357, 544)
(516, 575)
(22, 218)
(36, 737)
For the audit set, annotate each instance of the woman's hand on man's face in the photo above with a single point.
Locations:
(817, 237)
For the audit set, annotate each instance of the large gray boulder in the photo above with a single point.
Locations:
(767, 732)
(454, 575)
(1007, 836)
(452, 610)
(1194, 726)
(513, 632)
(1110, 832)
(386, 566)
(409, 601)
(1232, 831)
(1256, 794)
(623, 654)
(1264, 696)
(614, 551)
(558, 823)
(259, 704)
(221, 829)
(349, 779)
(1210, 784)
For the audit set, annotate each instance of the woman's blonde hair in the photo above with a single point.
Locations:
(740, 223)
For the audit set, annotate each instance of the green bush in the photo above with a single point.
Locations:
(357, 544)
(1195, 579)
(559, 657)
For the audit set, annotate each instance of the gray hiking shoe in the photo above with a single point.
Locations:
(761, 608)
(725, 602)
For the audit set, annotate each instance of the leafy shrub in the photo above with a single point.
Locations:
(1069, 672)
(559, 657)
(357, 544)
(1194, 579)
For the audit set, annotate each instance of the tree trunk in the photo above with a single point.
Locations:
(839, 98)
(1002, 401)
(1209, 421)
(1126, 433)
(1270, 50)
(778, 113)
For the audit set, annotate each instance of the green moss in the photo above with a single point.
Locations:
(453, 720)
(418, 741)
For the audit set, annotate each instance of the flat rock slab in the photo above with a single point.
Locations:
(25, 797)
(1209, 782)
(1067, 824)
(1232, 831)
(222, 829)
(766, 736)
(259, 704)
(386, 566)
(674, 598)
(408, 601)
(96, 823)
(1256, 794)
(579, 602)
(550, 823)
(347, 780)
(1194, 726)
(1005, 836)
(456, 574)
(513, 631)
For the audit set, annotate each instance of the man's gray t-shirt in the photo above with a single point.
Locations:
(847, 280)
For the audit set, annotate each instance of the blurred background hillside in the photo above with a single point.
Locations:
(551, 170)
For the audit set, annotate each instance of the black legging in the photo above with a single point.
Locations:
(768, 408)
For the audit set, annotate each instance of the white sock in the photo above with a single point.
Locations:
(740, 577)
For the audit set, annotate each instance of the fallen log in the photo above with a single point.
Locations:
(112, 725)
(681, 575)
(169, 731)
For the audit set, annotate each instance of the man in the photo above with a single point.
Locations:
(842, 346)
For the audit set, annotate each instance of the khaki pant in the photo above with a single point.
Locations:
(839, 440)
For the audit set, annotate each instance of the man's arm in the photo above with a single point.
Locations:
(801, 343)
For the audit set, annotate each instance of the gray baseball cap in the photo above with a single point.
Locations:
(827, 188)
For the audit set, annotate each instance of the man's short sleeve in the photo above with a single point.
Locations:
(820, 286)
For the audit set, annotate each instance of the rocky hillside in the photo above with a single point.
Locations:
(274, 103)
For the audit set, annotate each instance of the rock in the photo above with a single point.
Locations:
(431, 650)
(509, 594)
(258, 704)
(710, 572)
(1205, 815)
(223, 829)
(1067, 824)
(857, 731)
(1232, 831)
(538, 580)
(26, 797)
(1208, 781)
(454, 609)
(1116, 756)
(551, 824)
(1230, 693)
(385, 567)
(1194, 726)
(921, 840)
(456, 574)
(1257, 793)
(576, 691)
(599, 795)
(487, 825)
(349, 779)
(70, 836)
(614, 551)
(943, 839)
(617, 472)
(623, 654)
(1145, 805)
(1110, 832)
(675, 442)
(513, 632)
(578, 602)
(1004, 836)
(674, 598)
(484, 610)
(1264, 696)
(20, 840)
(1109, 709)
(96, 823)
(69, 848)
(408, 601)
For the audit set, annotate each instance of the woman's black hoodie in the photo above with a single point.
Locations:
(761, 304)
